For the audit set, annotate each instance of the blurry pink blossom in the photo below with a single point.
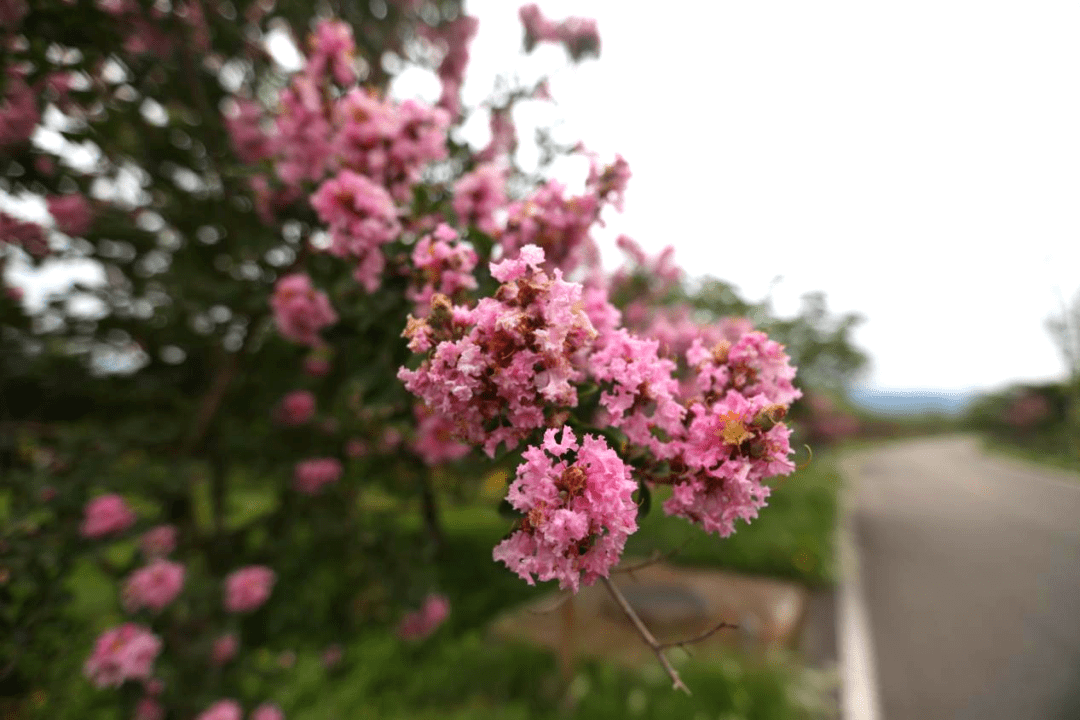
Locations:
(106, 515)
(248, 588)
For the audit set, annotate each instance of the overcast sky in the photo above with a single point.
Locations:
(917, 161)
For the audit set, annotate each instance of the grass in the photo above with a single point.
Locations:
(1049, 455)
(459, 673)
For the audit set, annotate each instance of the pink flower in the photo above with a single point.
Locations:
(422, 623)
(73, 213)
(454, 37)
(300, 310)
(26, 235)
(222, 710)
(158, 541)
(497, 367)
(250, 142)
(332, 656)
(310, 475)
(435, 443)
(332, 50)
(224, 649)
(579, 35)
(362, 218)
(557, 224)
(153, 586)
(248, 588)
(317, 364)
(444, 265)
(19, 113)
(106, 515)
(126, 652)
(478, 195)
(355, 447)
(296, 408)
(578, 511)
(302, 143)
(149, 709)
(267, 711)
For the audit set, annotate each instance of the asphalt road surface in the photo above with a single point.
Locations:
(970, 568)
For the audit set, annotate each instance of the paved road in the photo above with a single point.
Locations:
(970, 568)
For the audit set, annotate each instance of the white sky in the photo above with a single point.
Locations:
(918, 161)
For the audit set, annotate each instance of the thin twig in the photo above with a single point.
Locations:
(657, 648)
(656, 557)
(690, 641)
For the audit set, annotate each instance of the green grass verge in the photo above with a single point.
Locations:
(1052, 456)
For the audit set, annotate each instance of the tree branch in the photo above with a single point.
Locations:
(657, 648)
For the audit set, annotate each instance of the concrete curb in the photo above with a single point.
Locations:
(859, 698)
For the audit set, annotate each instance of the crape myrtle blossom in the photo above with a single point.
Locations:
(28, 236)
(477, 197)
(301, 311)
(495, 368)
(435, 442)
(224, 649)
(19, 113)
(244, 123)
(296, 408)
(753, 365)
(609, 182)
(222, 710)
(503, 141)
(638, 395)
(444, 265)
(267, 711)
(332, 51)
(248, 588)
(579, 35)
(154, 586)
(578, 511)
(126, 652)
(361, 217)
(455, 37)
(557, 224)
(106, 515)
(310, 475)
(303, 137)
(72, 213)
(158, 541)
(420, 624)
(149, 709)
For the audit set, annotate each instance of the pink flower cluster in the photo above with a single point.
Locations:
(19, 113)
(435, 442)
(224, 649)
(496, 367)
(296, 408)
(153, 586)
(106, 515)
(639, 394)
(579, 35)
(250, 141)
(302, 139)
(389, 144)
(753, 365)
(478, 195)
(248, 588)
(158, 541)
(310, 475)
(578, 507)
(126, 652)
(420, 624)
(26, 235)
(609, 182)
(444, 265)
(73, 214)
(557, 224)
(332, 51)
(300, 310)
(503, 137)
(455, 37)
(361, 217)
(231, 710)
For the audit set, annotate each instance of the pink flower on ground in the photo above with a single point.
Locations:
(158, 541)
(222, 710)
(106, 515)
(300, 310)
(73, 213)
(310, 475)
(423, 622)
(126, 652)
(296, 408)
(224, 649)
(248, 588)
(153, 586)
(267, 711)
(578, 511)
